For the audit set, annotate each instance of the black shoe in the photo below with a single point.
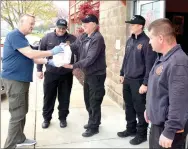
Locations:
(138, 140)
(126, 134)
(90, 132)
(45, 124)
(63, 123)
(86, 126)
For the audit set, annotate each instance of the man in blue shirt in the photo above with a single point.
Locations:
(167, 95)
(17, 73)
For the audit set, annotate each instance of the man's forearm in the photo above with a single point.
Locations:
(40, 61)
(34, 54)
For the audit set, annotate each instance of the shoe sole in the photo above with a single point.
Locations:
(63, 126)
(138, 143)
(19, 145)
(46, 127)
(133, 135)
(91, 135)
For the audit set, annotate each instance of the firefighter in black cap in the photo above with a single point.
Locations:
(57, 80)
(137, 63)
(91, 50)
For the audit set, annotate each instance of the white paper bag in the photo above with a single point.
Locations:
(63, 58)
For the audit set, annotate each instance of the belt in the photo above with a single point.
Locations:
(180, 131)
(162, 126)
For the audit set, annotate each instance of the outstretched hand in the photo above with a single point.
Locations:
(69, 66)
(57, 49)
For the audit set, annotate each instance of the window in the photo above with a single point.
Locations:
(150, 10)
(134, 7)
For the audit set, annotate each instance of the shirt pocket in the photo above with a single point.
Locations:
(51, 45)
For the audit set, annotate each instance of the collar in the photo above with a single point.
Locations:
(92, 34)
(20, 32)
(174, 49)
(138, 36)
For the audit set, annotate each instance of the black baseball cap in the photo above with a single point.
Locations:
(137, 19)
(90, 18)
(61, 23)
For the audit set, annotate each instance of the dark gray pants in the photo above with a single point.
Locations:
(17, 93)
(94, 92)
(155, 133)
(56, 84)
(134, 106)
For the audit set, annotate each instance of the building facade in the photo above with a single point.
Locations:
(73, 13)
(112, 25)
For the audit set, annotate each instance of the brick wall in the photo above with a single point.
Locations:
(112, 26)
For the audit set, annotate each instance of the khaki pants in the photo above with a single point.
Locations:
(17, 93)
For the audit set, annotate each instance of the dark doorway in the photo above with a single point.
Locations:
(177, 12)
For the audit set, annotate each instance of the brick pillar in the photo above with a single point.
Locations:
(113, 27)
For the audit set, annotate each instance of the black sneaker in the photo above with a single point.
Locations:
(90, 132)
(45, 124)
(63, 123)
(138, 140)
(126, 133)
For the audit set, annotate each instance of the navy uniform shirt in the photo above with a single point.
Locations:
(50, 41)
(139, 58)
(167, 95)
(91, 54)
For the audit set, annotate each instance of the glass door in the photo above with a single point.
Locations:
(150, 10)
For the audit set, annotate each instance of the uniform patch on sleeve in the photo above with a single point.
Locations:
(159, 70)
(139, 46)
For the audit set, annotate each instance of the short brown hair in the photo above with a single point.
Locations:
(163, 27)
(26, 15)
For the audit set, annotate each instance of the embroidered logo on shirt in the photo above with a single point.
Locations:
(159, 70)
(139, 47)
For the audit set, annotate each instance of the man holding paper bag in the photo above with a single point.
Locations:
(57, 80)
(90, 48)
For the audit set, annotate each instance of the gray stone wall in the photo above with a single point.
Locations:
(112, 26)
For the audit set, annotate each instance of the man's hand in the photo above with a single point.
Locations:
(143, 89)
(146, 118)
(51, 62)
(165, 142)
(40, 75)
(68, 66)
(57, 49)
(121, 80)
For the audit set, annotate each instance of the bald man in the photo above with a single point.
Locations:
(17, 73)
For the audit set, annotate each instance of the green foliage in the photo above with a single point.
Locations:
(12, 10)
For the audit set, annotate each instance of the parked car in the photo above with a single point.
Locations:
(3, 90)
(4, 33)
(34, 41)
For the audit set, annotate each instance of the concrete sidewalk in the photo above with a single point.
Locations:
(113, 120)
